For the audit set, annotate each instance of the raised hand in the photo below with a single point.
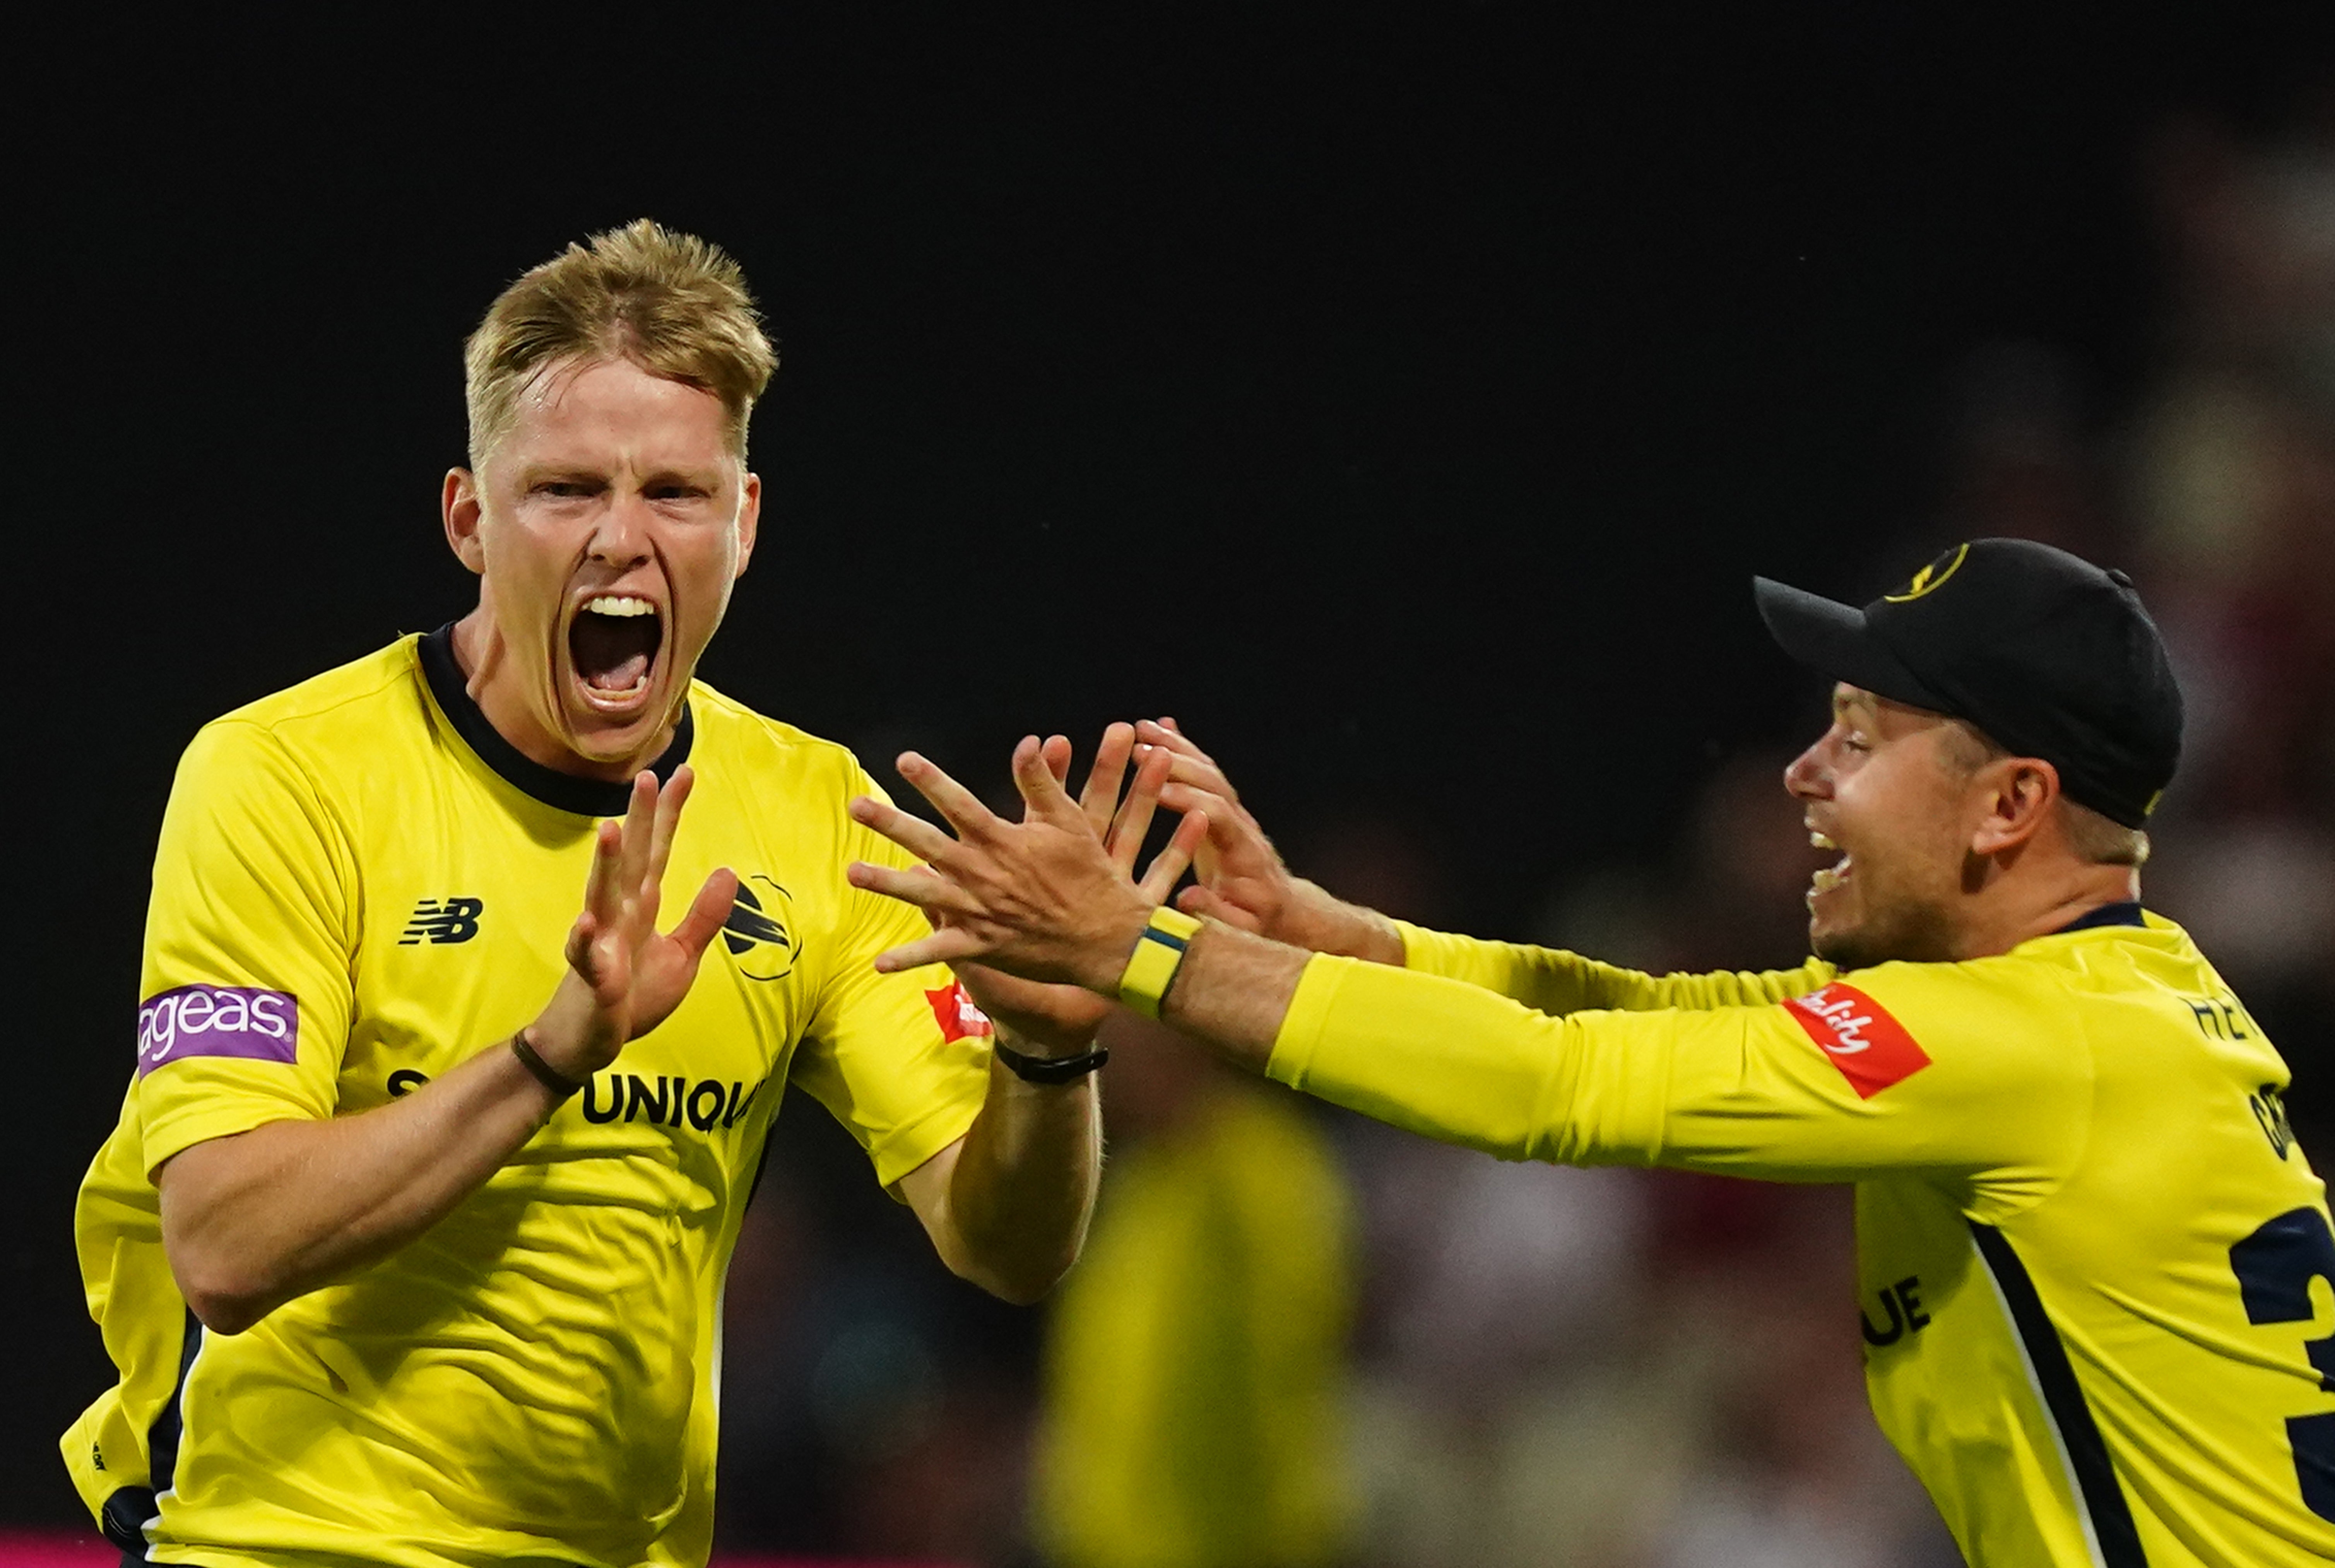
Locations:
(623, 977)
(1044, 899)
(1242, 880)
(1062, 1020)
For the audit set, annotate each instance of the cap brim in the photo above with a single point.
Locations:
(1834, 639)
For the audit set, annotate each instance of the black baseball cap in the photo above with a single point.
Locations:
(2048, 655)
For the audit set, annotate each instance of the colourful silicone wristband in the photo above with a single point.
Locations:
(1152, 968)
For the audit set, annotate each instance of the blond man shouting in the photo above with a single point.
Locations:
(409, 1246)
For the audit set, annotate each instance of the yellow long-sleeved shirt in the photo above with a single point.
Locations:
(2087, 1241)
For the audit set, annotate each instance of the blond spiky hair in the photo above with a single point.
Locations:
(672, 303)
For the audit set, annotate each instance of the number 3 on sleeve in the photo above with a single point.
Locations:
(2275, 1266)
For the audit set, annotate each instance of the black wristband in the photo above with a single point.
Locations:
(1049, 1069)
(544, 1073)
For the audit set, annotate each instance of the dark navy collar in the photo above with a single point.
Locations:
(561, 792)
(2124, 913)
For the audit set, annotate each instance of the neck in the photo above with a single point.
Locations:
(2016, 909)
(495, 684)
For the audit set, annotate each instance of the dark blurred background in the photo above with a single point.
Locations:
(1402, 399)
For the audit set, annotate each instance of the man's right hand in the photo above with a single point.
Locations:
(253, 1219)
(623, 977)
(1242, 880)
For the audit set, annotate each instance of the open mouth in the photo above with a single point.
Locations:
(1828, 877)
(613, 644)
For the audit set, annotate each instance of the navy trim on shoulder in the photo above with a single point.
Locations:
(560, 791)
(2100, 1494)
(2125, 914)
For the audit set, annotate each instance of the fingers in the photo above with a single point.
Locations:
(1170, 862)
(604, 894)
(638, 833)
(1040, 792)
(1056, 752)
(1134, 819)
(913, 833)
(933, 894)
(1100, 798)
(706, 914)
(669, 802)
(957, 805)
(947, 945)
(1210, 905)
(600, 960)
(1193, 766)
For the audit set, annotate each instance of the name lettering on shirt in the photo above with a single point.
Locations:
(1859, 1036)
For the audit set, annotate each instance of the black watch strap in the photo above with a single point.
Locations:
(1049, 1069)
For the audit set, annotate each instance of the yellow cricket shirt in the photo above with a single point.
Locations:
(2095, 1269)
(360, 884)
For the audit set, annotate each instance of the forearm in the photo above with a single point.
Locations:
(252, 1220)
(1023, 1185)
(1431, 1055)
(1231, 991)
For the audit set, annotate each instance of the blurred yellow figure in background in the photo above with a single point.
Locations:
(1195, 1375)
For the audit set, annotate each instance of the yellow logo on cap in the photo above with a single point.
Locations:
(1932, 577)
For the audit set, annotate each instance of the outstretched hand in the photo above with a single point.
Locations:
(1051, 898)
(1062, 1020)
(1242, 880)
(623, 977)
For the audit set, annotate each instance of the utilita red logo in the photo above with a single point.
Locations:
(957, 1016)
(1870, 1049)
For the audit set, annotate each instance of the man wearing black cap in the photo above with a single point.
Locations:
(2088, 1244)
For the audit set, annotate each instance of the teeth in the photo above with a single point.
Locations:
(619, 604)
(1820, 841)
(1830, 876)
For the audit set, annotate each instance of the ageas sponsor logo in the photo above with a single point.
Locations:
(239, 1020)
(1859, 1037)
(954, 1012)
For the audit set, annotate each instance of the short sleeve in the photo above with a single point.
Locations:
(244, 992)
(1957, 1071)
(902, 1060)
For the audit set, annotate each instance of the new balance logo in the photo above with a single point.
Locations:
(442, 920)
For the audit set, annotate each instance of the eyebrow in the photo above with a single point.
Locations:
(1842, 701)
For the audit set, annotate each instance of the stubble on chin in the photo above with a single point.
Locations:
(1906, 932)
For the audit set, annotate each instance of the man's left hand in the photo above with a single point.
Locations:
(1050, 899)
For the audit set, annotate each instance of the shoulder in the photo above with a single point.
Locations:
(2006, 1017)
(776, 752)
(342, 707)
(2002, 1014)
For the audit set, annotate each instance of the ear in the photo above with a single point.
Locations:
(2015, 795)
(750, 518)
(459, 507)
